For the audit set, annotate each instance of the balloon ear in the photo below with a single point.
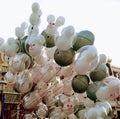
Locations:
(60, 21)
(102, 58)
(24, 25)
(68, 31)
(35, 7)
(50, 18)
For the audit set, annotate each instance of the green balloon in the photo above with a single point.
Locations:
(91, 90)
(80, 83)
(99, 73)
(50, 40)
(83, 38)
(64, 57)
(22, 44)
(23, 48)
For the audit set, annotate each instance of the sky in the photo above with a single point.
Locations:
(101, 17)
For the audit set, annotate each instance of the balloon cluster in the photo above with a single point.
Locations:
(61, 75)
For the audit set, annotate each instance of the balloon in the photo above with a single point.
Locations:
(110, 89)
(27, 116)
(64, 42)
(42, 110)
(23, 45)
(70, 103)
(100, 72)
(102, 59)
(42, 58)
(96, 112)
(99, 93)
(50, 33)
(50, 52)
(49, 71)
(80, 83)
(11, 47)
(91, 90)
(20, 62)
(50, 40)
(83, 38)
(36, 73)
(49, 99)
(57, 88)
(57, 113)
(31, 100)
(64, 58)
(34, 45)
(24, 82)
(106, 105)
(86, 60)
(9, 77)
(66, 71)
(67, 88)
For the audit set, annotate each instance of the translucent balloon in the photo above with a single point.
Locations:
(70, 104)
(86, 60)
(107, 95)
(28, 116)
(11, 47)
(9, 77)
(19, 62)
(103, 58)
(50, 52)
(42, 58)
(34, 45)
(24, 82)
(66, 71)
(95, 112)
(110, 89)
(57, 113)
(49, 71)
(106, 105)
(57, 87)
(42, 110)
(99, 93)
(64, 42)
(49, 99)
(35, 72)
(31, 100)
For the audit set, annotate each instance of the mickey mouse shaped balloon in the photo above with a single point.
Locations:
(10, 47)
(51, 32)
(64, 42)
(34, 45)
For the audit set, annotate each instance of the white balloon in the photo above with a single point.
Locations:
(103, 58)
(64, 42)
(87, 59)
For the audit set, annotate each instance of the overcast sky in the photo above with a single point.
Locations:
(102, 17)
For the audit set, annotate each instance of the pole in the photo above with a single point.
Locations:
(18, 111)
(2, 83)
